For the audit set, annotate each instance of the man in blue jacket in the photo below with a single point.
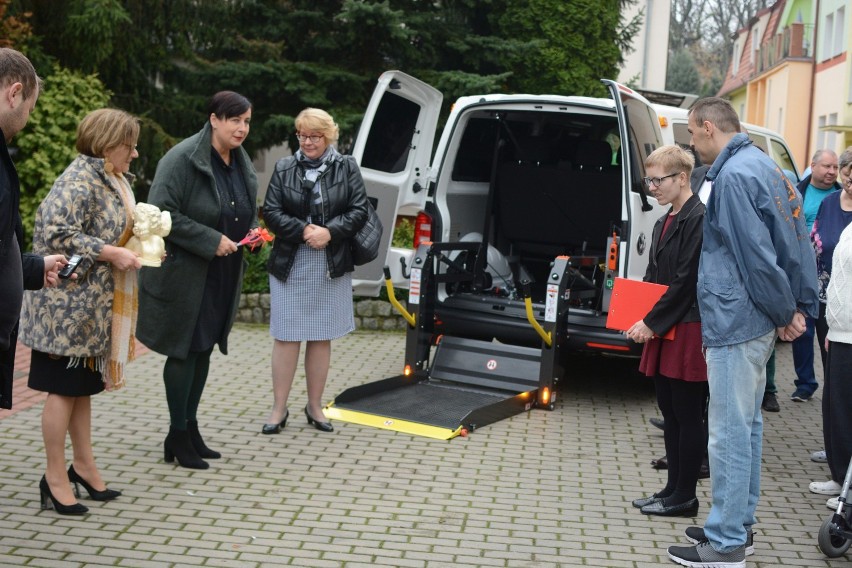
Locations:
(756, 281)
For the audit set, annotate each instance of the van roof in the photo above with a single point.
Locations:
(499, 98)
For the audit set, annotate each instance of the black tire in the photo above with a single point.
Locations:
(831, 545)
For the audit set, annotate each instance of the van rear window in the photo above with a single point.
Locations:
(389, 142)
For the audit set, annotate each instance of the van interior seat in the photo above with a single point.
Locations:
(593, 155)
(549, 210)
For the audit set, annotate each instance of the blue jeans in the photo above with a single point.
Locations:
(736, 375)
(803, 359)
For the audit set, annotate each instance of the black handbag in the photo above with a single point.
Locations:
(365, 243)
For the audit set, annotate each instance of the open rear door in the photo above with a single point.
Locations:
(394, 148)
(640, 135)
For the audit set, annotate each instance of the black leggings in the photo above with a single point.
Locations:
(683, 404)
(185, 380)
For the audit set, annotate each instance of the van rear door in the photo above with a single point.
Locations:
(640, 135)
(393, 148)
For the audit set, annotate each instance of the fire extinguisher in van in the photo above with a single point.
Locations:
(612, 261)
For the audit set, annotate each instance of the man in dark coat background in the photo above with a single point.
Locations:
(19, 89)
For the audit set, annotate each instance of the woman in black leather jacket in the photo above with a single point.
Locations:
(315, 203)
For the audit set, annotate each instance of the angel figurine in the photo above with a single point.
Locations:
(150, 225)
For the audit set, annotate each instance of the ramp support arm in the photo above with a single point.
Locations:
(545, 335)
(394, 302)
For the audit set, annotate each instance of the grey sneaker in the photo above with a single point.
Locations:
(819, 456)
(801, 395)
(695, 535)
(702, 555)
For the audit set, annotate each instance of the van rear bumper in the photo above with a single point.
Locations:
(505, 321)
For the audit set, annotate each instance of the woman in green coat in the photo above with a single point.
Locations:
(187, 305)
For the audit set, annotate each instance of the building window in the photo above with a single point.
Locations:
(839, 31)
(831, 135)
(827, 38)
(820, 142)
(735, 58)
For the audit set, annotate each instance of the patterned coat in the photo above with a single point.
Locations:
(82, 213)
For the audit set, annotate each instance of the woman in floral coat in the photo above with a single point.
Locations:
(81, 332)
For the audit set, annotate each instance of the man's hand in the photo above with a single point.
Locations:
(226, 246)
(52, 265)
(794, 329)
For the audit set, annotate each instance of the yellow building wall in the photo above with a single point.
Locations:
(830, 96)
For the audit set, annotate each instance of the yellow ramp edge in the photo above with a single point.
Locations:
(395, 424)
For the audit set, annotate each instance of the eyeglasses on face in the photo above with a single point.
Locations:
(657, 181)
(314, 139)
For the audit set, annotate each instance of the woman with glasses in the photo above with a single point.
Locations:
(316, 202)
(833, 216)
(188, 304)
(81, 331)
(677, 365)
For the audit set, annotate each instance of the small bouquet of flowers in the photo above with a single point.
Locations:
(256, 238)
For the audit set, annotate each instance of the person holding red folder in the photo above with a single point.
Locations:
(677, 365)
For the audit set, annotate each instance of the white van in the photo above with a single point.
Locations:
(673, 124)
(531, 177)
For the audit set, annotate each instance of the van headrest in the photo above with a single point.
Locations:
(534, 150)
(593, 155)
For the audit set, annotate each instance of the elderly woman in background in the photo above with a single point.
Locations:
(677, 365)
(187, 306)
(833, 217)
(315, 204)
(81, 332)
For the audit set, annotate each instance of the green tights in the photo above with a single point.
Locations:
(185, 380)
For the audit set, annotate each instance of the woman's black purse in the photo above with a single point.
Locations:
(365, 243)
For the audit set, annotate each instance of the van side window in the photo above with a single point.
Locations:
(389, 142)
(477, 147)
(782, 157)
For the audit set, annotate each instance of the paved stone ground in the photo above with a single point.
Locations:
(541, 489)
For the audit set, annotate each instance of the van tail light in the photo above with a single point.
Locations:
(422, 229)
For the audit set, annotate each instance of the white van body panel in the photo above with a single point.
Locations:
(395, 164)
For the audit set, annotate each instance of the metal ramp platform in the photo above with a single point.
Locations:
(470, 384)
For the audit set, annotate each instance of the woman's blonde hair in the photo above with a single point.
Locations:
(104, 129)
(319, 120)
(672, 158)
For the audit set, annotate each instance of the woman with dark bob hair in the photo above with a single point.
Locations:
(186, 306)
(81, 331)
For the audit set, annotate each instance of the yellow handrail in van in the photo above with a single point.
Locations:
(394, 302)
(545, 335)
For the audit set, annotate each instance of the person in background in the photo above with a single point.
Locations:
(19, 89)
(81, 332)
(188, 304)
(833, 216)
(814, 188)
(754, 224)
(677, 365)
(838, 433)
(315, 204)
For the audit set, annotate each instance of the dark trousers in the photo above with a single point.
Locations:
(683, 405)
(185, 380)
(836, 415)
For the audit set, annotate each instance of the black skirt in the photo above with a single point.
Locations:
(50, 373)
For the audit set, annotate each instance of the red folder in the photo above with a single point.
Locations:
(631, 301)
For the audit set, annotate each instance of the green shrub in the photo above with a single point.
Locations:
(256, 279)
(46, 144)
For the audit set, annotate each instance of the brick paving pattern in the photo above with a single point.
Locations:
(541, 489)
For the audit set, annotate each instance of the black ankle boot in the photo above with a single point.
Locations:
(198, 442)
(178, 445)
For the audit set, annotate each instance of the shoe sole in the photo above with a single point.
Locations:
(683, 562)
(831, 493)
(748, 551)
(799, 399)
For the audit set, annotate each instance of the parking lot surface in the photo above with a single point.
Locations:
(541, 489)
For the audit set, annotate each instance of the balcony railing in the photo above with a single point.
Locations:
(794, 42)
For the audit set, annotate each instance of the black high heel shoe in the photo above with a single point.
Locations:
(105, 495)
(324, 426)
(47, 499)
(275, 428)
